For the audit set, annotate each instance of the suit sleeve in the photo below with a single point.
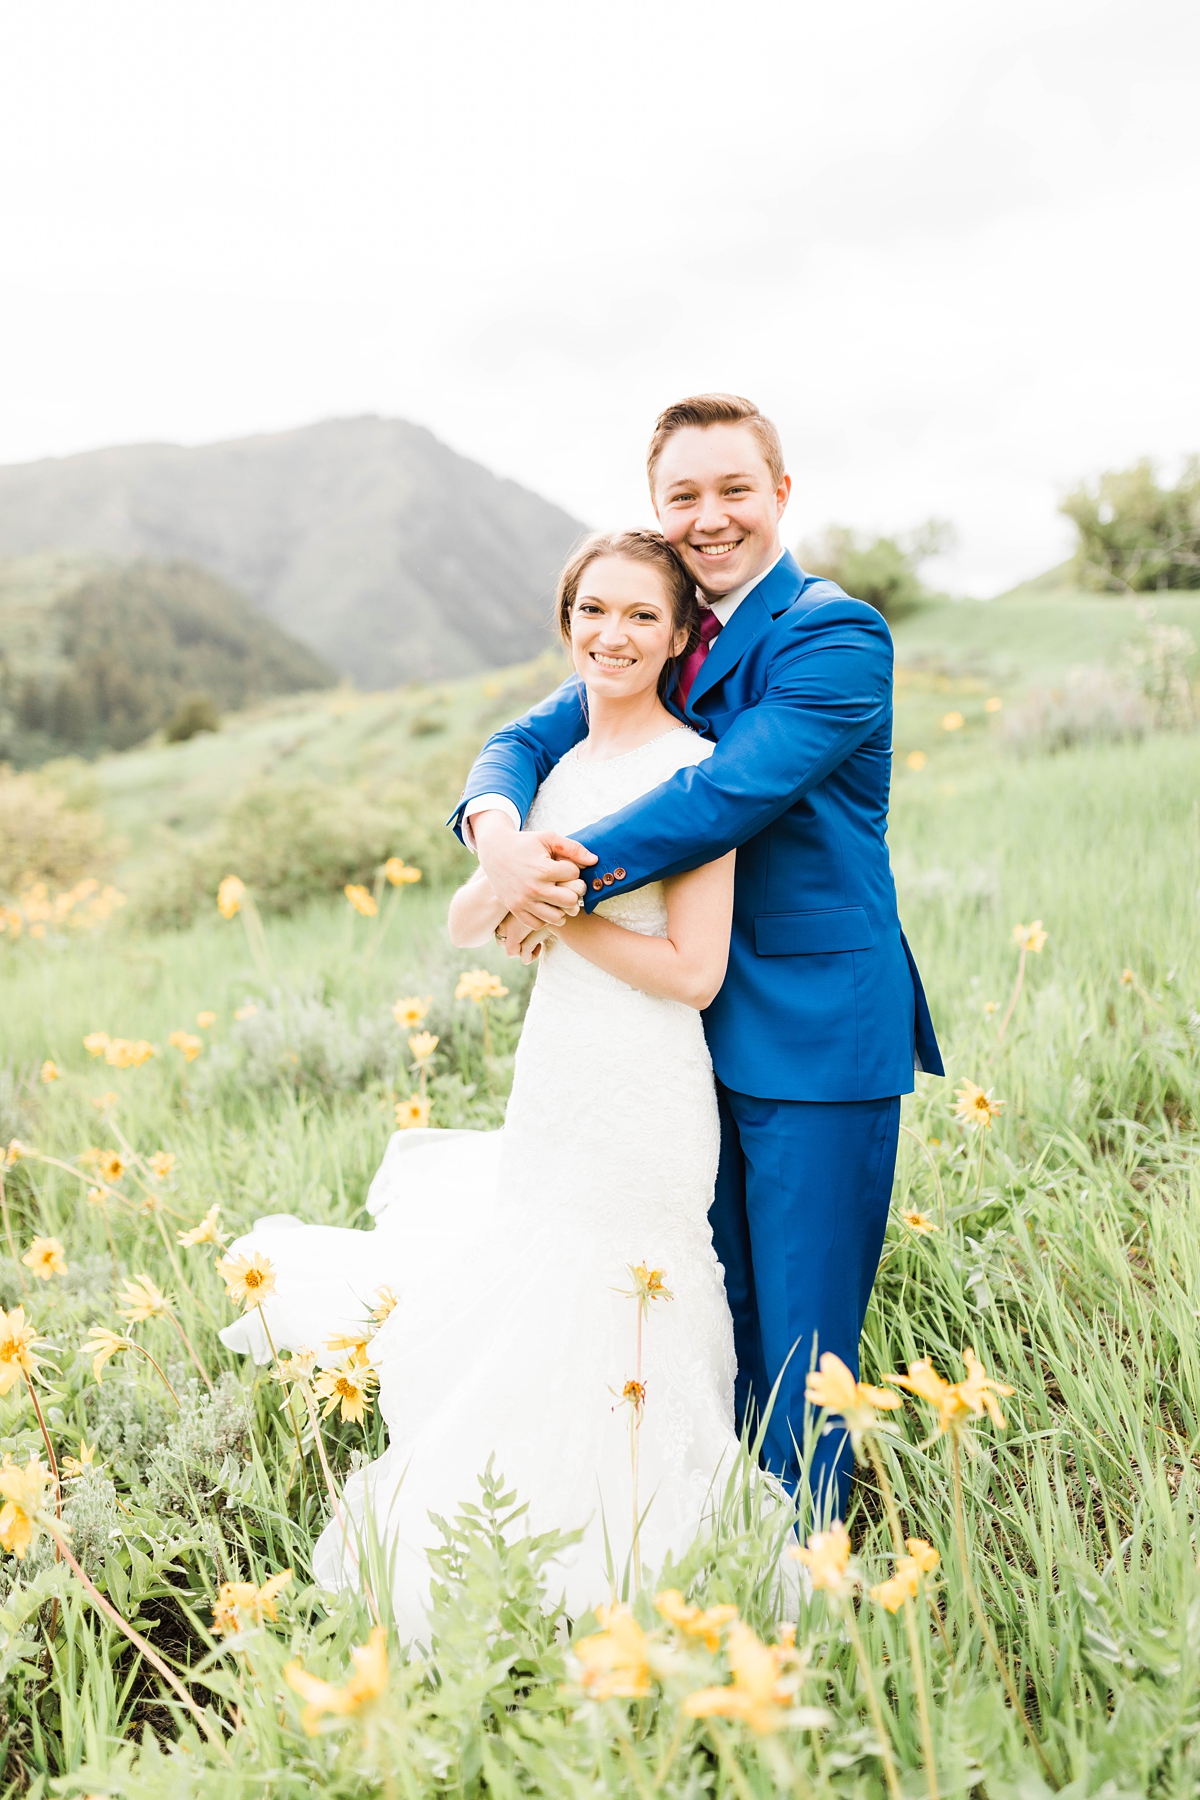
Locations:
(828, 685)
(517, 759)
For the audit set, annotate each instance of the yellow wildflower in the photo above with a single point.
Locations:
(128, 1053)
(50, 1071)
(1030, 937)
(96, 1043)
(45, 1257)
(162, 1162)
(919, 1222)
(75, 1466)
(205, 1019)
(347, 1386)
(247, 1278)
(385, 1303)
(916, 759)
(326, 1703)
(111, 1166)
(905, 1584)
(993, 705)
(24, 1493)
(422, 1044)
(357, 1343)
(410, 1010)
(361, 899)
(206, 1232)
(143, 1300)
(706, 1623)
(761, 1694)
(412, 1114)
(832, 1388)
(96, 1196)
(230, 895)
(634, 1392)
(240, 1604)
(16, 1150)
(479, 985)
(297, 1367)
(18, 1341)
(826, 1556)
(615, 1661)
(956, 1403)
(648, 1285)
(188, 1042)
(101, 1344)
(400, 873)
(975, 1107)
(245, 1012)
(952, 721)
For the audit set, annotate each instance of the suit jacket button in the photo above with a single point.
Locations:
(608, 880)
(620, 874)
(597, 884)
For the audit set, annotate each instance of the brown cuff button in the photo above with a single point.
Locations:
(608, 880)
(597, 884)
(620, 874)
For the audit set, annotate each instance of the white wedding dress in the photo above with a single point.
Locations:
(510, 1254)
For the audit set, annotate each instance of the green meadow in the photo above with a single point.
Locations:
(1045, 1639)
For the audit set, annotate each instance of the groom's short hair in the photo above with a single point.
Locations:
(715, 409)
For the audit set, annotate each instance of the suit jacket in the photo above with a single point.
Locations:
(822, 999)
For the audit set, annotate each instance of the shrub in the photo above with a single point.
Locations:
(196, 714)
(1097, 705)
(1135, 535)
(881, 570)
(43, 838)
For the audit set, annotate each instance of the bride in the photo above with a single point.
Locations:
(542, 1270)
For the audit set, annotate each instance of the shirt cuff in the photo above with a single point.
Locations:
(486, 803)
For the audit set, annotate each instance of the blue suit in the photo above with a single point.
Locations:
(822, 1018)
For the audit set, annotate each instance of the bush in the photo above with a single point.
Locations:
(195, 715)
(1135, 535)
(882, 570)
(42, 837)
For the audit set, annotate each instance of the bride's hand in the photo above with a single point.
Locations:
(517, 940)
(535, 874)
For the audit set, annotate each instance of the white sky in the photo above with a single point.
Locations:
(951, 247)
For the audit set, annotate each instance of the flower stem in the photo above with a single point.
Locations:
(1016, 994)
(134, 1345)
(873, 1706)
(188, 1346)
(8, 1231)
(937, 1179)
(49, 1446)
(256, 937)
(960, 1532)
(982, 1155)
(151, 1655)
(291, 1415)
(915, 1650)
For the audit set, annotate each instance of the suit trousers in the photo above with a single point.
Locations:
(798, 1218)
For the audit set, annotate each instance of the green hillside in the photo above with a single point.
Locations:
(96, 655)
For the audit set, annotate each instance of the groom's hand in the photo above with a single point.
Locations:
(535, 874)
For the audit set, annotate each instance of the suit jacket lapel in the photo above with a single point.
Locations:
(773, 595)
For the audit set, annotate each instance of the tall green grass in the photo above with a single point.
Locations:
(1068, 1260)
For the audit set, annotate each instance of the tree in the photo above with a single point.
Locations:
(880, 570)
(1135, 535)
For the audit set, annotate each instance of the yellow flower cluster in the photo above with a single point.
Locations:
(18, 1345)
(410, 1010)
(412, 1114)
(230, 895)
(80, 908)
(479, 985)
(400, 873)
(119, 1053)
(24, 1493)
(327, 1704)
(46, 1258)
(240, 1604)
(361, 899)
(905, 1584)
(188, 1042)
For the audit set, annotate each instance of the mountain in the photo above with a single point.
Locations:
(96, 656)
(379, 547)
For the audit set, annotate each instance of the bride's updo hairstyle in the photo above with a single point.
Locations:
(679, 588)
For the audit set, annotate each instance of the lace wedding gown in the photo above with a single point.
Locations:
(509, 1252)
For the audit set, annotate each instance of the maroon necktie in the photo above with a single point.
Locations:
(694, 661)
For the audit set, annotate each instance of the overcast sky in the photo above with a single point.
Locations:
(951, 247)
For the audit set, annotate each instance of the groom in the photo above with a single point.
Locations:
(822, 1019)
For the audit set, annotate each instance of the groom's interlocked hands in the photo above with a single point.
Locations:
(535, 874)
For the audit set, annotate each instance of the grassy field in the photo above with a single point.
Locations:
(1055, 1646)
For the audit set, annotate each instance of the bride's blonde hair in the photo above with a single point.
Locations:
(644, 547)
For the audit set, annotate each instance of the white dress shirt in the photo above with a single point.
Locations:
(724, 608)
